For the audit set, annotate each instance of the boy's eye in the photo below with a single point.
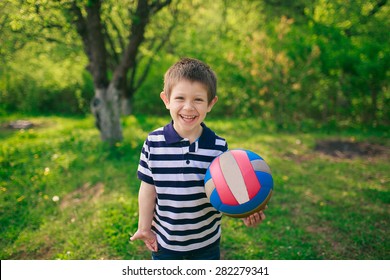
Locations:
(199, 100)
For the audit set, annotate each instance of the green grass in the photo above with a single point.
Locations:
(65, 195)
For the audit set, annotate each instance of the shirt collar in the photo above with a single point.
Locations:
(170, 134)
(206, 140)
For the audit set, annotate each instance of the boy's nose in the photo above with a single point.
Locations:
(188, 105)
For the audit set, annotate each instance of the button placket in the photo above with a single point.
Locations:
(186, 150)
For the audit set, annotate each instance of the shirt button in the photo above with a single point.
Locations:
(188, 161)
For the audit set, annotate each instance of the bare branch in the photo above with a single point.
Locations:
(163, 41)
(112, 53)
(158, 5)
(118, 33)
(140, 20)
(96, 44)
(377, 7)
(81, 27)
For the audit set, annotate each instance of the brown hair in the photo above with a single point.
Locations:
(193, 70)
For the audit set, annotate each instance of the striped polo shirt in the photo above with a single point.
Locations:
(184, 220)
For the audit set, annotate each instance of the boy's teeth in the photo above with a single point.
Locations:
(188, 117)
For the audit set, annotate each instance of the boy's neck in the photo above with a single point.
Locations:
(192, 136)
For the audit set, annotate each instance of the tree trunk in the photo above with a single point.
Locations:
(105, 108)
(105, 104)
(126, 106)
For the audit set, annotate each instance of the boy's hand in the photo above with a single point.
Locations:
(148, 237)
(255, 219)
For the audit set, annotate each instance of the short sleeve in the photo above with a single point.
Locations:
(144, 172)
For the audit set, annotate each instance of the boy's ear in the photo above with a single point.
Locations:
(165, 99)
(212, 103)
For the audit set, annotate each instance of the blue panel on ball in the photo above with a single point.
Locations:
(207, 176)
(248, 206)
(242, 208)
(215, 200)
(238, 209)
(266, 182)
(252, 155)
(265, 179)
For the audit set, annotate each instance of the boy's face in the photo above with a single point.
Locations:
(188, 105)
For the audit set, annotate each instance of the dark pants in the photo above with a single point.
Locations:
(211, 253)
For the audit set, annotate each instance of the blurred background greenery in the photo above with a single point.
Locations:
(289, 62)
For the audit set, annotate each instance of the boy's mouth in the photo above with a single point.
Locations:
(188, 117)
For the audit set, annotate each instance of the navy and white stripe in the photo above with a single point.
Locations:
(184, 220)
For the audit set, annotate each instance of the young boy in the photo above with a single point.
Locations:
(176, 221)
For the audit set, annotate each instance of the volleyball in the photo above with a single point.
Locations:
(238, 183)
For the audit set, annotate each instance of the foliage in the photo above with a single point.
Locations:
(42, 67)
(287, 62)
(64, 195)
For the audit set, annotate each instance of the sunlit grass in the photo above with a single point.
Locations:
(66, 195)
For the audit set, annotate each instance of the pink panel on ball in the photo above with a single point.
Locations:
(222, 187)
(250, 178)
(233, 177)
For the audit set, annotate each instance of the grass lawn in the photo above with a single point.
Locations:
(65, 195)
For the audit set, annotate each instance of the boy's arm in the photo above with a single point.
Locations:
(147, 203)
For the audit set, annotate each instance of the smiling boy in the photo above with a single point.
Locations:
(176, 220)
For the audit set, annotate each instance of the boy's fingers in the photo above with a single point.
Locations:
(149, 240)
(136, 236)
(254, 218)
(149, 246)
(152, 245)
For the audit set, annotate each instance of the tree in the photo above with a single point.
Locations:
(323, 61)
(87, 18)
(355, 55)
